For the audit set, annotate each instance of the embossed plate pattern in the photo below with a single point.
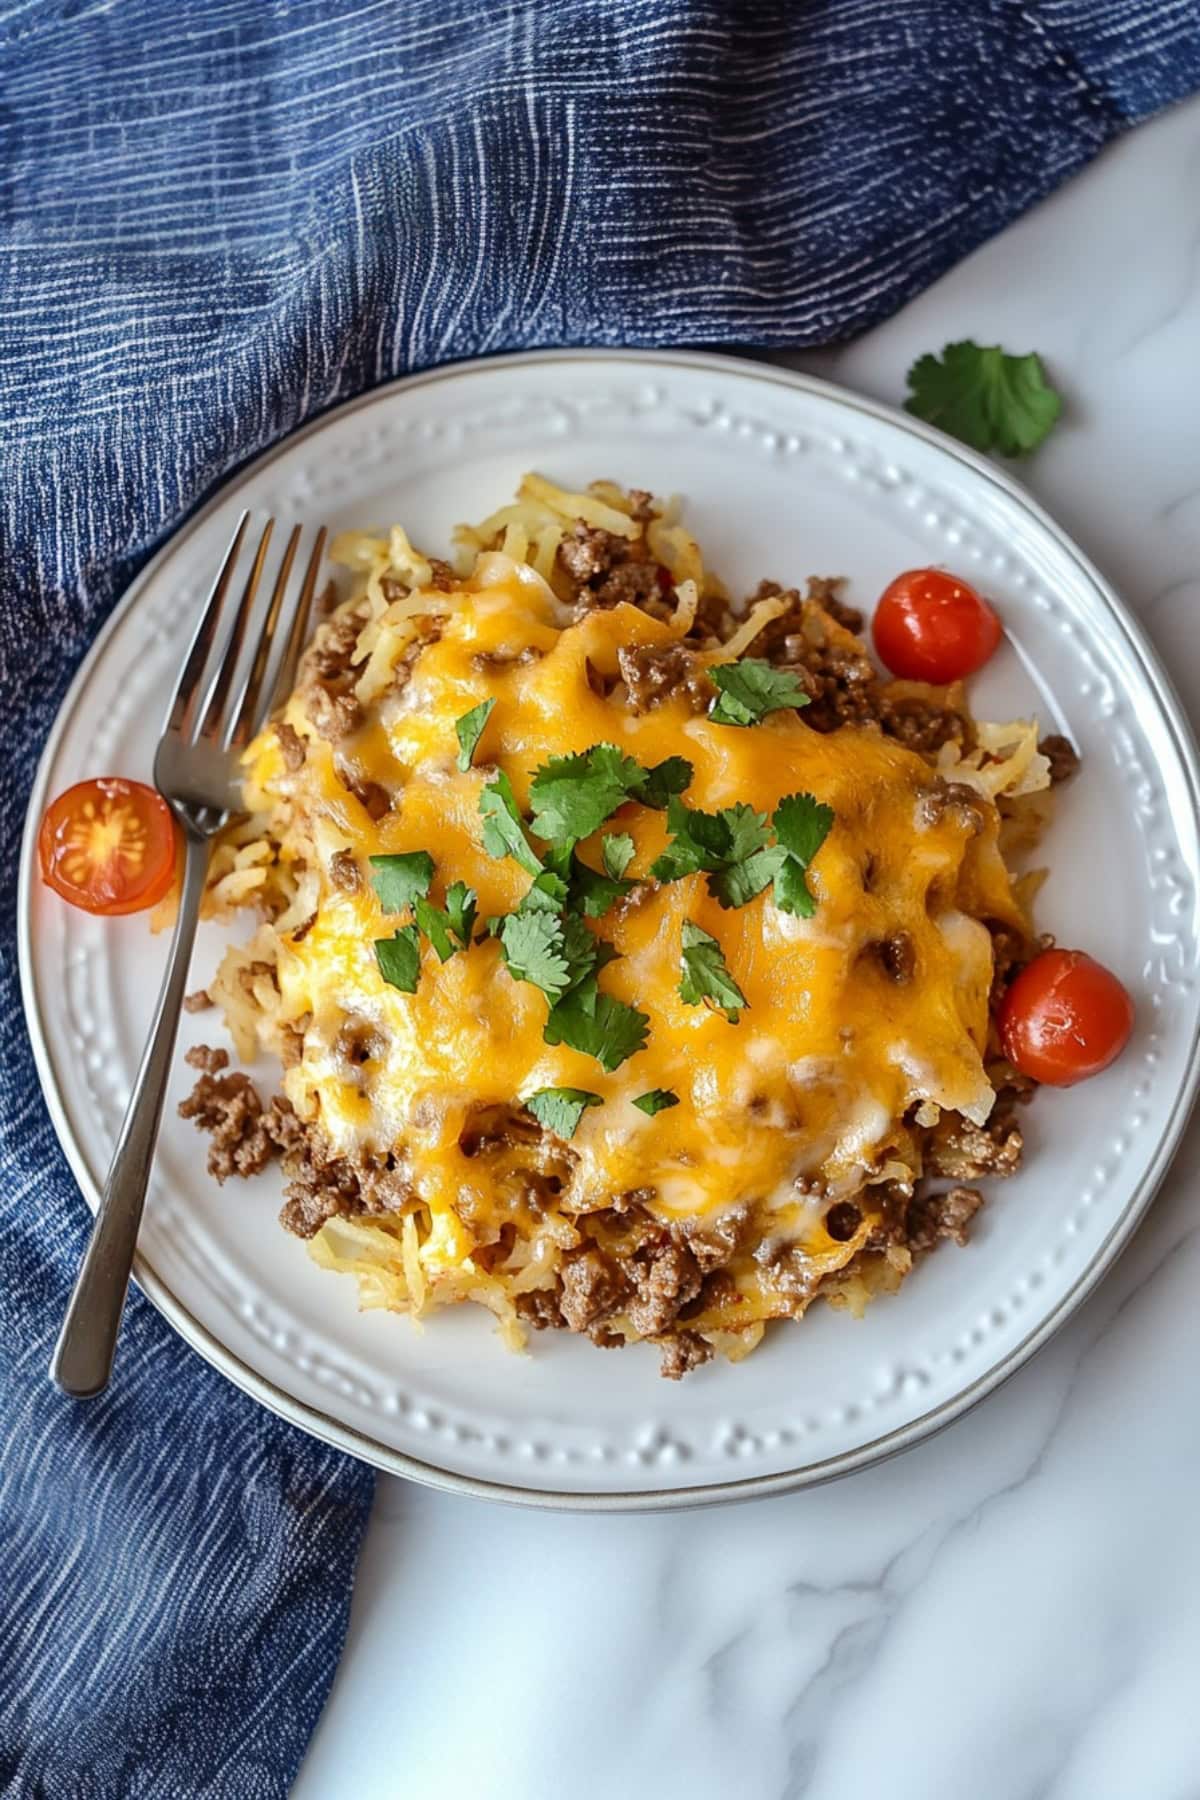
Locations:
(783, 476)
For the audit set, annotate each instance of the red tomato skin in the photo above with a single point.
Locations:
(1065, 1018)
(107, 895)
(930, 626)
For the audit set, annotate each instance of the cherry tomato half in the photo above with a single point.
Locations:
(108, 846)
(930, 626)
(1064, 1018)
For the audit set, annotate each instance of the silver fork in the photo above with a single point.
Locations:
(195, 771)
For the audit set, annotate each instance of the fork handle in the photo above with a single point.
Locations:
(83, 1355)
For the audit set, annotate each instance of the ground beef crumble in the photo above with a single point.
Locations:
(225, 1103)
(344, 872)
(962, 1151)
(1062, 756)
(604, 569)
(592, 1289)
(327, 679)
(653, 673)
(932, 1217)
(682, 1353)
(291, 745)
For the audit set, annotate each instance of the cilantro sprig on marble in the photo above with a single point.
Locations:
(985, 397)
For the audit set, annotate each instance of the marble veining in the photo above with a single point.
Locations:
(1012, 1611)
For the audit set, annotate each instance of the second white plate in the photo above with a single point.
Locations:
(782, 477)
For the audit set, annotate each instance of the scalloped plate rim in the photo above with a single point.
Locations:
(333, 1431)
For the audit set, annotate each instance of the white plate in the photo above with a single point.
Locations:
(783, 477)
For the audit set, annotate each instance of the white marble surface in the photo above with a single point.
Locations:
(1011, 1612)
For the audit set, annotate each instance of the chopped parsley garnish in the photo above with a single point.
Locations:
(597, 1024)
(448, 928)
(469, 730)
(985, 397)
(560, 1109)
(801, 826)
(401, 879)
(656, 1100)
(503, 827)
(705, 979)
(399, 959)
(616, 854)
(751, 689)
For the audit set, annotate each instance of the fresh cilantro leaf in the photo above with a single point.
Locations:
(801, 824)
(399, 880)
(568, 882)
(572, 796)
(597, 1024)
(792, 894)
(664, 779)
(547, 895)
(747, 864)
(533, 949)
(560, 1109)
(448, 929)
(399, 959)
(705, 977)
(732, 845)
(469, 730)
(552, 950)
(559, 858)
(616, 854)
(503, 827)
(461, 903)
(585, 953)
(747, 830)
(739, 882)
(700, 840)
(656, 1100)
(594, 893)
(985, 397)
(751, 689)
(436, 926)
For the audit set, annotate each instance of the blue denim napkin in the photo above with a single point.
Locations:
(216, 220)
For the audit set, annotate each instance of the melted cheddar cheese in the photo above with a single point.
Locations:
(798, 1103)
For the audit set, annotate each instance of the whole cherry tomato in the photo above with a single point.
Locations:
(1064, 1018)
(930, 626)
(108, 846)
